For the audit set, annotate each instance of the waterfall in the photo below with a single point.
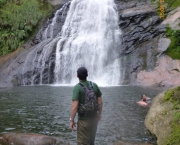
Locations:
(90, 37)
(53, 28)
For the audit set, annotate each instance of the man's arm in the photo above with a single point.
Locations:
(100, 108)
(74, 108)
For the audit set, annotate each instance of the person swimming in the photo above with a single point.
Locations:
(143, 100)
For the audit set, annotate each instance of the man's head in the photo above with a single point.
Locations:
(82, 73)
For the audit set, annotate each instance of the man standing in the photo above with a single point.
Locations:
(87, 124)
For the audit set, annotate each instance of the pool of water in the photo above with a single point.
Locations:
(45, 110)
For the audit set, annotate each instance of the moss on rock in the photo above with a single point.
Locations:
(163, 118)
(173, 96)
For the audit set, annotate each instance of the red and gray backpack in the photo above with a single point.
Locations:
(90, 105)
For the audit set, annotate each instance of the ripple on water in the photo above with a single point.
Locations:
(9, 129)
(47, 112)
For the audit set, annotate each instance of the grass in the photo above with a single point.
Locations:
(173, 96)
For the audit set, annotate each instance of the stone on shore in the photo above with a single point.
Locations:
(3, 141)
(28, 139)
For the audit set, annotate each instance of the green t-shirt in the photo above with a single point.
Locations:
(79, 95)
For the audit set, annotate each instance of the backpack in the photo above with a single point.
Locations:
(90, 105)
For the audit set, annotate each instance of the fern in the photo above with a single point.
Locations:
(18, 18)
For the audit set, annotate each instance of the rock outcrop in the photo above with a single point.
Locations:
(163, 117)
(173, 19)
(166, 71)
(142, 29)
(159, 118)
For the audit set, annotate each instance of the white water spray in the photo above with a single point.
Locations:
(90, 37)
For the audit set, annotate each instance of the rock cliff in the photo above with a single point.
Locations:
(166, 71)
(163, 117)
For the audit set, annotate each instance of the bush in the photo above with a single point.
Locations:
(18, 18)
(174, 49)
(2, 2)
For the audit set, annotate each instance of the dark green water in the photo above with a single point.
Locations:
(45, 110)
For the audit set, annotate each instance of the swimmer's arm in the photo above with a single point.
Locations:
(147, 98)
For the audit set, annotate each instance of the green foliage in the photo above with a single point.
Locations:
(168, 5)
(174, 138)
(2, 2)
(18, 19)
(174, 49)
(173, 95)
(172, 4)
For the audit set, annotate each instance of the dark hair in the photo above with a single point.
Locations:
(144, 99)
(82, 73)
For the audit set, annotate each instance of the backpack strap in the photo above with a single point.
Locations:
(91, 85)
(84, 87)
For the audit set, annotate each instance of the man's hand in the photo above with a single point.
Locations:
(74, 108)
(72, 125)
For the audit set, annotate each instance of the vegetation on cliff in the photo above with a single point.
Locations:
(174, 49)
(18, 21)
(173, 96)
(168, 5)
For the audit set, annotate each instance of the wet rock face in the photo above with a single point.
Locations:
(141, 28)
(138, 25)
(50, 31)
(167, 70)
(57, 2)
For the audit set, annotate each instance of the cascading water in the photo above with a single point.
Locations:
(90, 37)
